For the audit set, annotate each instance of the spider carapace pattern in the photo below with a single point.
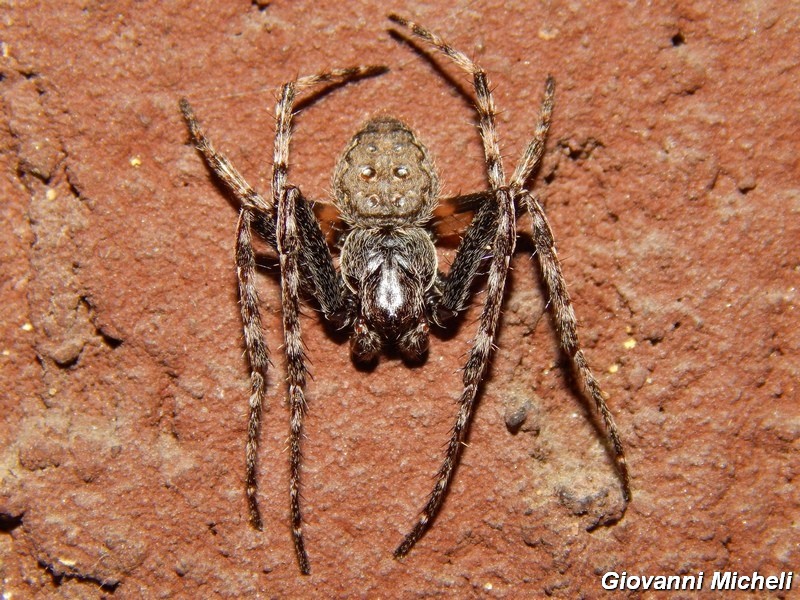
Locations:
(388, 289)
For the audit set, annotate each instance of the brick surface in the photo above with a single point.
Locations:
(671, 184)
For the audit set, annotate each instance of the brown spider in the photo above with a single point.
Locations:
(389, 290)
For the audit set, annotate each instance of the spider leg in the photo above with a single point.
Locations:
(566, 325)
(535, 149)
(477, 362)
(286, 199)
(564, 315)
(284, 223)
(317, 266)
(456, 286)
(492, 232)
(289, 249)
(257, 354)
(467, 202)
(472, 251)
(222, 167)
(253, 207)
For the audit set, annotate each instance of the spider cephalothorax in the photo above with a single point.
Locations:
(388, 288)
(385, 178)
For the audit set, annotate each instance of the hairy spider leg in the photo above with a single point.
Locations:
(493, 232)
(283, 222)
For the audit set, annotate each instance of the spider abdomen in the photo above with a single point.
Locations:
(390, 272)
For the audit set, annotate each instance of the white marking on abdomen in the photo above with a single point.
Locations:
(390, 294)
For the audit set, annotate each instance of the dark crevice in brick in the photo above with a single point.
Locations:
(58, 577)
(9, 523)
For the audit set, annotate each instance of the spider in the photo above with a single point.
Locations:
(388, 289)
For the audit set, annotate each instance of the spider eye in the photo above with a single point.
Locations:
(401, 172)
(367, 173)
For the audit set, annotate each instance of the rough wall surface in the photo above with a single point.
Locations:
(671, 183)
